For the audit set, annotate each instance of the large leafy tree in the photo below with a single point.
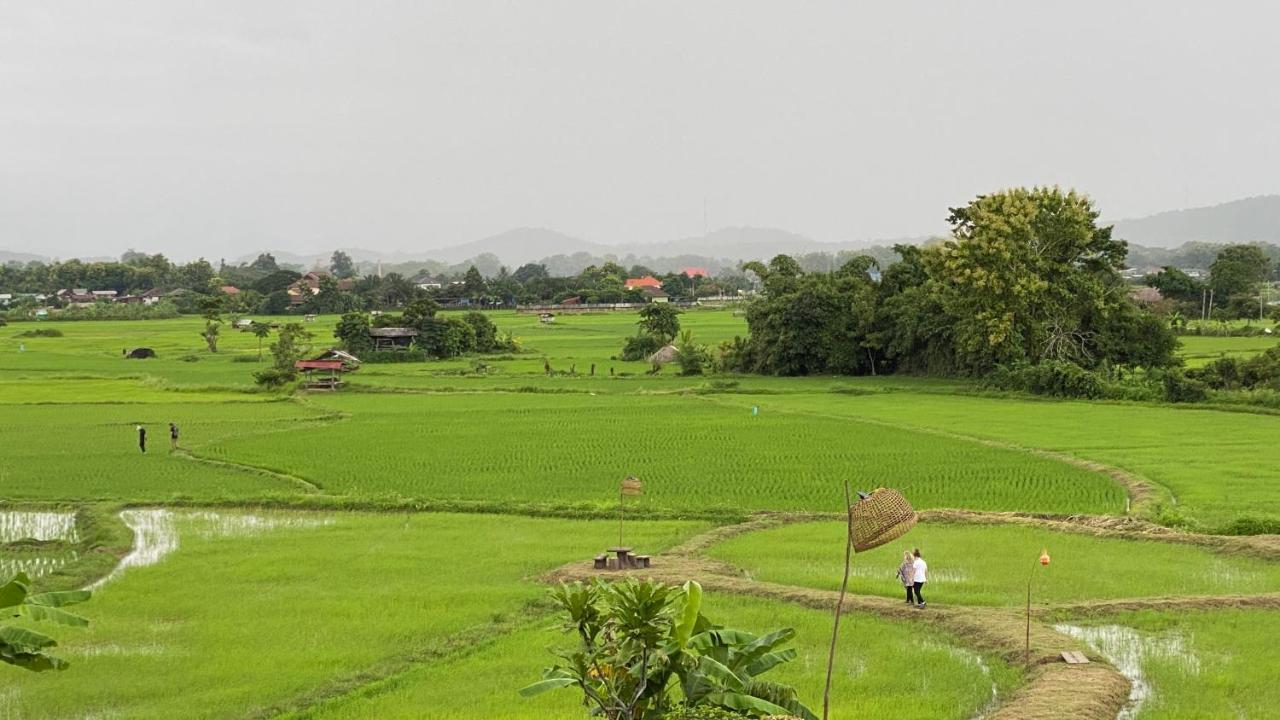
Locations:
(473, 283)
(353, 331)
(26, 648)
(1023, 272)
(341, 264)
(1237, 270)
(265, 263)
(813, 323)
(1174, 283)
(661, 320)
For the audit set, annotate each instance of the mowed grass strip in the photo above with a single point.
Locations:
(231, 624)
(81, 452)
(691, 453)
(1219, 465)
(884, 669)
(91, 390)
(990, 564)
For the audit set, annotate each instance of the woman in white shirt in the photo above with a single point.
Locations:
(921, 569)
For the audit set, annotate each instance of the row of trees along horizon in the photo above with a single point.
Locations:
(1028, 290)
(262, 284)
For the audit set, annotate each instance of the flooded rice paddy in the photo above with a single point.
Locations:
(1130, 651)
(51, 535)
(158, 532)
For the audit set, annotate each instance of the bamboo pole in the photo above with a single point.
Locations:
(844, 586)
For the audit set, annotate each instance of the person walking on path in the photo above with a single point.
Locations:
(173, 437)
(919, 576)
(142, 439)
(907, 573)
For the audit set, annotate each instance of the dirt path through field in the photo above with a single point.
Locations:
(1054, 689)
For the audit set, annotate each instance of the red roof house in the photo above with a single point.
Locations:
(695, 272)
(643, 282)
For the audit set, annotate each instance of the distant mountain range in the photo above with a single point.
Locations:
(8, 257)
(523, 245)
(1255, 219)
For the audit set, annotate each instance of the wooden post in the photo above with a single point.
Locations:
(844, 585)
(630, 486)
(1026, 655)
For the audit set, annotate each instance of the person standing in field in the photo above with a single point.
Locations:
(907, 573)
(173, 437)
(919, 576)
(142, 439)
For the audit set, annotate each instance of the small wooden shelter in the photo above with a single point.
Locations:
(350, 363)
(328, 377)
(392, 338)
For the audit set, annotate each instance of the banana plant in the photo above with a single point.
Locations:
(640, 642)
(26, 648)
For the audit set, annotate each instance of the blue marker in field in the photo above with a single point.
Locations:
(755, 410)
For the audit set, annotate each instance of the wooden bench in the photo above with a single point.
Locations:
(602, 562)
(640, 561)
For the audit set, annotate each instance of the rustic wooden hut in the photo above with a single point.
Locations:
(321, 374)
(392, 338)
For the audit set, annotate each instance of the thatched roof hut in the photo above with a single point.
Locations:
(664, 355)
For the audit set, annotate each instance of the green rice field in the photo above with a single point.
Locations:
(990, 564)
(379, 552)
(1218, 664)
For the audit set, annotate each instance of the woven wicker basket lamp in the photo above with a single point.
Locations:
(879, 518)
(875, 519)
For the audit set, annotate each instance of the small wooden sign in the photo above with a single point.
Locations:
(632, 487)
(1074, 657)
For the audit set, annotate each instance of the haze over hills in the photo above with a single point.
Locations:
(1255, 219)
(523, 245)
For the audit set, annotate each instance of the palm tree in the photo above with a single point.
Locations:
(260, 331)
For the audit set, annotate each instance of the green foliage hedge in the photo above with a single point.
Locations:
(1057, 379)
(393, 356)
(639, 347)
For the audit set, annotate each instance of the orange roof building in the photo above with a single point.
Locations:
(695, 272)
(643, 282)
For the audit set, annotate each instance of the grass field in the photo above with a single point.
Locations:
(1218, 466)
(334, 614)
(990, 564)
(900, 672)
(1202, 664)
(692, 453)
(242, 615)
(1199, 350)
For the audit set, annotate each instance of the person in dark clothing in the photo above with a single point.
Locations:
(173, 436)
(142, 439)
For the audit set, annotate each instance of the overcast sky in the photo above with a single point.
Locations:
(218, 128)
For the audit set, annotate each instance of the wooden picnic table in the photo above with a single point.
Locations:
(624, 556)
